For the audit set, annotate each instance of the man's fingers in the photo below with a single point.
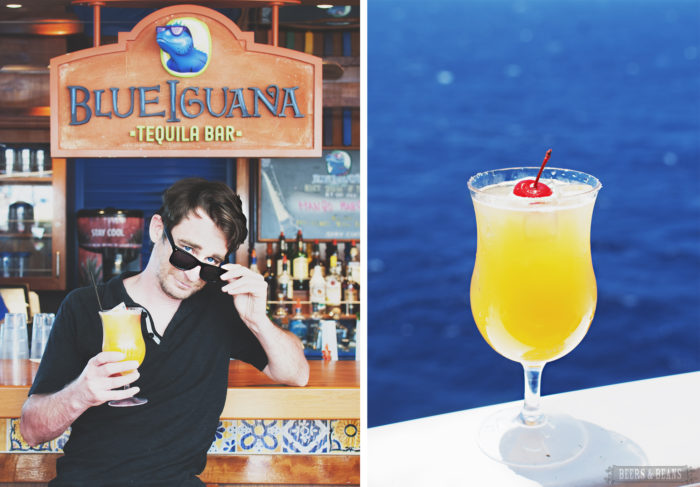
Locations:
(245, 284)
(107, 357)
(238, 272)
(104, 378)
(119, 367)
(118, 394)
(233, 271)
(120, 381)
(231, 276)
(235, 287)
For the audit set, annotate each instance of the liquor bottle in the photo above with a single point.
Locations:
(281, 252)
(331, 253)
(313, 334)
(269, 275)
(317, 293)
(284, 282)
(300, 266)
(353, 267)
(342, 260)
(351, 295)
(316, 260)
(334, 291)
(296, 323)
(254, 262)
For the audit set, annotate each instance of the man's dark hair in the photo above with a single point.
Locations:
(215, 198)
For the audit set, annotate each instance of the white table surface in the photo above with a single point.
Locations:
(641, 423)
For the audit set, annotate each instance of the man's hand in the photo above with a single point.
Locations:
(101, 379)
(45, 416)
(249, 291)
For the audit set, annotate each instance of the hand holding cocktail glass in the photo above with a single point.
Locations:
(533, 296)
(107, 375)
(121, 332)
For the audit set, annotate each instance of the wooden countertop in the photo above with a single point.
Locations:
(333, 392)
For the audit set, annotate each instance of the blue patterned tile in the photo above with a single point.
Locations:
(259, 436)
(224, 437)
(305, 436)
(300, 436)
(59, 443)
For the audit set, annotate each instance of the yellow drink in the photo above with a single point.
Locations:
(121, 332)
(533, 291)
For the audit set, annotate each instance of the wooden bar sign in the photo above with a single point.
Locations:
(186, 82)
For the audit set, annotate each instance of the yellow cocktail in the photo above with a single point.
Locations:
(121, 332)
(533, 296)
(533, 292)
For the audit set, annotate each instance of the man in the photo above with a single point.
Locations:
(199, 312)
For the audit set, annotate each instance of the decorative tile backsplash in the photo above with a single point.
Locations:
(15, 443)
(259, 436)
(238, 436)
(305, 436)
(224, 438)
(345, 436)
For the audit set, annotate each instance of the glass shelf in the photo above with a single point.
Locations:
(32, 228)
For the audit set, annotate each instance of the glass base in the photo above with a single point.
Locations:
(505, 438)
(128, 402)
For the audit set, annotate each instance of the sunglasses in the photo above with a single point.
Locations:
(175, 30)
(185, 261)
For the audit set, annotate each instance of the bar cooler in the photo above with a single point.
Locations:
(109, 243)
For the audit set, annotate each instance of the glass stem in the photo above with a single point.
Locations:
(531, 414)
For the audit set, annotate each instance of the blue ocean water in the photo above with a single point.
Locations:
(460, 86)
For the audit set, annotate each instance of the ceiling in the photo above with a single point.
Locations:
(33, 9)
(67, 25)
(41, 29)
(31, 12)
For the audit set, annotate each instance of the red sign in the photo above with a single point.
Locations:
(100, 229)
(186, 82)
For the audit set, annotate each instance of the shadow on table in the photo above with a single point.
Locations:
(591, 468)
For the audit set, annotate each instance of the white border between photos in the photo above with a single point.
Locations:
(363, 241)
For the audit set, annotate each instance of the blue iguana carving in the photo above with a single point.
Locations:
(176, 40)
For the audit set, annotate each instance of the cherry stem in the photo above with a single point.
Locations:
(544, 163)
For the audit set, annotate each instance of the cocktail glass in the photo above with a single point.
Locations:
(533, 296)
(121, 329)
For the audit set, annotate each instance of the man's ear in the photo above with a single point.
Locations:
(155, 228)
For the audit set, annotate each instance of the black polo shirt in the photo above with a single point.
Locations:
(184, 377)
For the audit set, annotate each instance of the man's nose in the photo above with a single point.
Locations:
(193, 274)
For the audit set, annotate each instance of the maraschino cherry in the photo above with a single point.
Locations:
(529, 188)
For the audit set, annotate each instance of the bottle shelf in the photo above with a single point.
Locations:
(23, 235)
(28, 178)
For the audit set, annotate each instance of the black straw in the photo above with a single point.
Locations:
(96, 293)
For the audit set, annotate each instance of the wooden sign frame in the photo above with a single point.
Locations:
(249, 99)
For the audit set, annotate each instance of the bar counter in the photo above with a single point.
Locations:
(333, 391)
(255, 408)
